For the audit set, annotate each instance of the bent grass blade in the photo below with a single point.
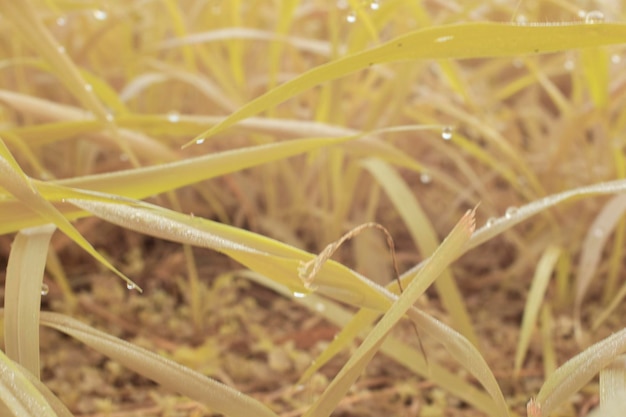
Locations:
(219, 397)
(20, 186)
(425, 238)
(459, 41)
(259, 253)
(577, 372)
(391, 347)
(339, 386)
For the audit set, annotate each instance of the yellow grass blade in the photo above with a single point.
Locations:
(259, 253)
(466, 40)
(74, 121)
(22, 296)
(17, 183)
(595, 65)
(219, 397)
(465, 353)
(448, 251)
(425, 238)
(391, 347)
(594, 244)
(55, 403)
(544, 270)
(578, 371)
(23, 16)
(147, 181)
(612, 388)
(18, 396)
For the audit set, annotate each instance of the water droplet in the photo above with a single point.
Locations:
(598, 232)
(569, 65)
(173, 117)
(446, 133)
(320, 307)
(594, 16)
(521, 19)
(109, 117)
(100, 14)
(61, 21)
(88, 87)
(61, 49)
(44, 289)
(616, 58)
(490, 221)
(425, 178)
(351, 17)
(510, 212)
(374, 5)
(130, 286)
(200, 141)
(299, 294)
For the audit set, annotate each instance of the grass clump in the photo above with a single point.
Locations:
(266, 132)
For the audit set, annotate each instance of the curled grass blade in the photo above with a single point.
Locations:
(466, 40)
(264, 255)
(391, 347)
(217, 396)
(425, 238)
(446, 252)
(22, 295)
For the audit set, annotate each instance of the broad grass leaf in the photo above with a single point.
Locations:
(458, 41)
(219, 397)
(22, 296)
(259, 253)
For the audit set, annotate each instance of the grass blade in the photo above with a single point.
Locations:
(20, 186)
(466, 40)
(339, 386)
(578, 371)
(22, 299)
(18, 394)
(544, 270)
(219, 397)
(425, 238)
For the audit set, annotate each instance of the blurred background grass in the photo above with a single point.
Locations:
(154, 74)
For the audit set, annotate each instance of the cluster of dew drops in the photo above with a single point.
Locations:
(351, 15)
